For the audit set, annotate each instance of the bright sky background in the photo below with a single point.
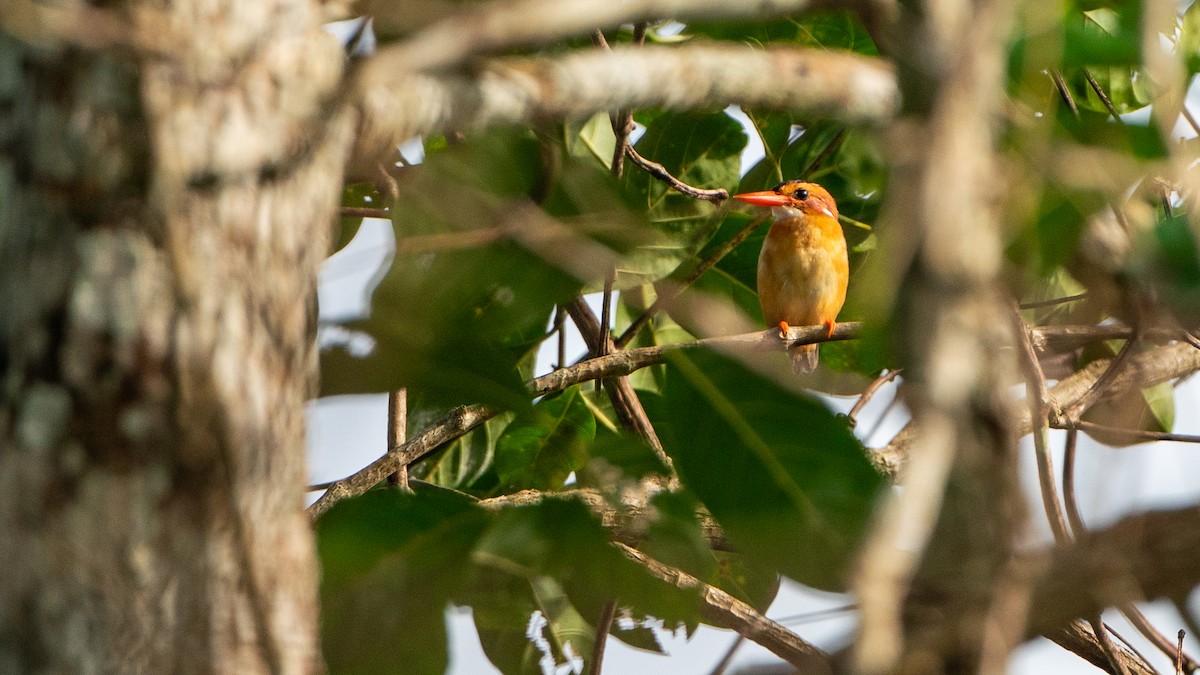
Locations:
(348, 432)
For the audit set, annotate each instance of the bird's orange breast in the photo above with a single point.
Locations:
(803, 271)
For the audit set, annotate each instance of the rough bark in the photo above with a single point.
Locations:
(162, 216)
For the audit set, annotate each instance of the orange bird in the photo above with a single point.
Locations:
(802, 270)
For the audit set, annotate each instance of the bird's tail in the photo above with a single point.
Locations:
(804, 358)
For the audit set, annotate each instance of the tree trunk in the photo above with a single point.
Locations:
(163, 210)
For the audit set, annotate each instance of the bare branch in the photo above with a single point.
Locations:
(1143, 370)
(626, 525)
(723, 609)
(1132, 434)
(660, 172)
(1038, 397)
(395, 107)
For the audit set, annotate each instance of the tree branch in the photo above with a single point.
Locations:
(723, 609)
(513, 90)
(1142, 557)
(1143, 370)
(889, 460)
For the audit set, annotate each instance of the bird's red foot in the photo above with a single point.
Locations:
(783, 330)
(829, 326)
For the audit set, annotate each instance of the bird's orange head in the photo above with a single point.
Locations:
(794, 198)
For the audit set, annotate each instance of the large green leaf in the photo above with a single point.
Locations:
(543, 445)
(700, 149)
(502, 604)
(783, 475)
(459, 307)
(390, 563)
(562, 539)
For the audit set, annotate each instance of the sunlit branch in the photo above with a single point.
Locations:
(660, 172)
(723, 609)
(395, 106)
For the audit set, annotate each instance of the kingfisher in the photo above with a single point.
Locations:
(803, 269)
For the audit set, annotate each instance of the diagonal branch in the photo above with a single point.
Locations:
(723, 609)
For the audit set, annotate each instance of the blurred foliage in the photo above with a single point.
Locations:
(495, 229)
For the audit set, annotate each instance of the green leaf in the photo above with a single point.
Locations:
(390, 563)
(700, 149)
(617, 459)
(563, 540)
(786, 478)
(751, 583)
(543, 445)
(674, 536)
(1103, 36)
(452, 318)
(564, 624)
(1169, 260)
(501, 605)
(592, 139)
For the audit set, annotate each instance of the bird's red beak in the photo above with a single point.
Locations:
(765, 198)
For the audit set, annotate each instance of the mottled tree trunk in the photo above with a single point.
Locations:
(165, 199)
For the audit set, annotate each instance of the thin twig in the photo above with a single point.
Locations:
(1053, 301)
(660, 172)
(1061, 85)
(364, 212)
(1106, 643)
(1135, 434)
(825, 153)
(560, 322)
(397, 433)
(1179, 652)
(1102, 383)
(723, 664)
(1191, 119)
(1160, 641)
(1108, 104)
(869, 392)
(1129, 645)
(1040, 405)
(1068, 482)
(607, 614)
(674, 292)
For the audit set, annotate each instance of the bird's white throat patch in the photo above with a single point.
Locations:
(785, 212)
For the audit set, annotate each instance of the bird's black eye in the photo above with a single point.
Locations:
(801, 195)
